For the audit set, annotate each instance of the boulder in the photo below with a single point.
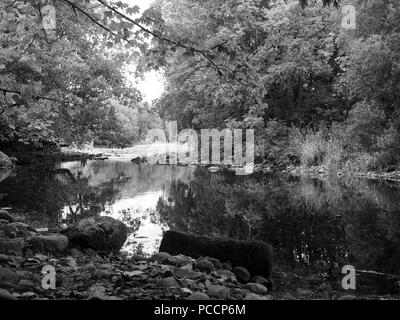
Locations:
(242, 274)
(5, 215)
(52, 243)
(256, 256)
(98, 233)
(12, 246)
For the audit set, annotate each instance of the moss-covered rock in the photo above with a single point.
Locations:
(256, 256)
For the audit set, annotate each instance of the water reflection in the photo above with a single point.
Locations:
(327, 223)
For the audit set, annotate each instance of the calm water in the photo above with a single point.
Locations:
(309, 222)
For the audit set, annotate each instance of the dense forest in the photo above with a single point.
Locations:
(316, 93)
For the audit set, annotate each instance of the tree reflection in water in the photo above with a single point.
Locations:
(328, 223)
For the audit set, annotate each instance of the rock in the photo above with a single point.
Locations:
(204, 266)
(226, 273)
(5, 295)
(261, 280)
(12, 246)
(257, 288)
(253, 296)
(348, 297)
(18, 230)
(242, 274)
(216, 263)
(226, 266)
(305, 292)
(52, 243)
(5, 215)
(138, 160)
(163, 257)
(372, 282)
(288, 296)
(219, 292)
(239, 253)
(26, 284)
(183, 273)
(198, 296)
(8, 276)
(5, 161)
(181, 261)
(169, 282)
(5, 258)
(98, 233)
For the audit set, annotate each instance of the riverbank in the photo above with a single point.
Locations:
(101, 274)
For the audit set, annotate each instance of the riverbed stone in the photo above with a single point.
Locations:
(12, 246)
(226, 273)
(219, 292)
(257, 288)
(8, 276)
(254, 296)
(169, 282)
(98, 233)
(17, 230)
(261, 280)
(204, 265)
(5, 295)
(5, 215)
(163, 257)
(242, 274)
(198, 296)
(5, 161)
(52, 243)
(188, 274)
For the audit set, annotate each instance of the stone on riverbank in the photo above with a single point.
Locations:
(8, 276)
(5, 215)
(257, 288)
(98, 233)
(12, 246)
(256, 256)
(53, 243)
(18, 230)
(242, 274)
(5, 161)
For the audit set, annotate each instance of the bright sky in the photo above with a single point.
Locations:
(152, 86)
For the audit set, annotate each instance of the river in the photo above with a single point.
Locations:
(329, 223)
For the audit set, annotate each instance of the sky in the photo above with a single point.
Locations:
(152, 86)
